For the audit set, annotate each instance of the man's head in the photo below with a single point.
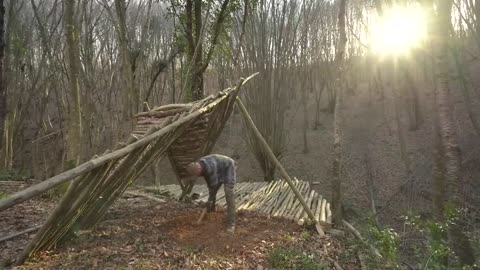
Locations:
(194, 169)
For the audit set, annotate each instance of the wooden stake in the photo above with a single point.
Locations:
(319, 207)
(323, 211)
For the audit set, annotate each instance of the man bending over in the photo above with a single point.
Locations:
(218, 170)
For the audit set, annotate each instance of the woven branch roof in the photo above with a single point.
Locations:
(199, 137)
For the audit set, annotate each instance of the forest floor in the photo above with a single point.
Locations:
(141, 234)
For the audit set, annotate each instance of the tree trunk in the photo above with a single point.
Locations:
(477, 17)
(130, 94)
(415, 115)
(3, 90)
(269, 172)
(338, 118)
(74, 119)
(193, 11)
(453, 179)
(197, 74)
(173, 82)
(305, 118)
(438, 174)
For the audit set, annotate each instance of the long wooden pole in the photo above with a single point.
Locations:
(271, 155)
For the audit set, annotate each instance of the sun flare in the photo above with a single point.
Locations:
(400, 30)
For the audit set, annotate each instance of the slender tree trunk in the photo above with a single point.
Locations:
(305, 118)
(130, 94)
(416, 118)
(173, 82)
(197, 74)
(453, 178)
(189, 68)
(74, 119)
(3, 90)
(477, 17)
(438, 174)
(318, 98)
(338, 118)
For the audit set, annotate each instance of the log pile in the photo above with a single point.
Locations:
(275, 199)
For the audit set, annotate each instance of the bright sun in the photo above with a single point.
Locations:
(399, 31)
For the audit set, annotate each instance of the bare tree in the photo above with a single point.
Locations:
(74, 122)
(269, 45)
(195, 28)
(3, 92)
(338, 116)
(448, 137)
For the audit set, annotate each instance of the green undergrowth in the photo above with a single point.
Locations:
(425, 238)
(286, 258)
(13, 175)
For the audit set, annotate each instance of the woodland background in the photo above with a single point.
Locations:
(395, 135)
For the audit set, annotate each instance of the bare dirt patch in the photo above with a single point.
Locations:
(210, 235)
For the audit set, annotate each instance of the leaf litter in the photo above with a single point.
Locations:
(138, 233)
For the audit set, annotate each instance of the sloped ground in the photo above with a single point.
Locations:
(141, 234)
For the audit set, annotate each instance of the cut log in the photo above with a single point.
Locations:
(323, 211)
(295, 207)
(255, 196)
(290, 200)
(274, 198)
(253, 188)
(268, 197)
(309, 203)
(284, 199)
(318, 207)
(328, 213)
(280, 198)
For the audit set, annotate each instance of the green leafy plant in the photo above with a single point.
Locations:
(306, 235)
(387, 241)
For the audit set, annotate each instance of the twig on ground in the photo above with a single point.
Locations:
(137, 194)
(361, 259)
(359, 237)
(335, 263)
(20, 233)
(407, 265)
